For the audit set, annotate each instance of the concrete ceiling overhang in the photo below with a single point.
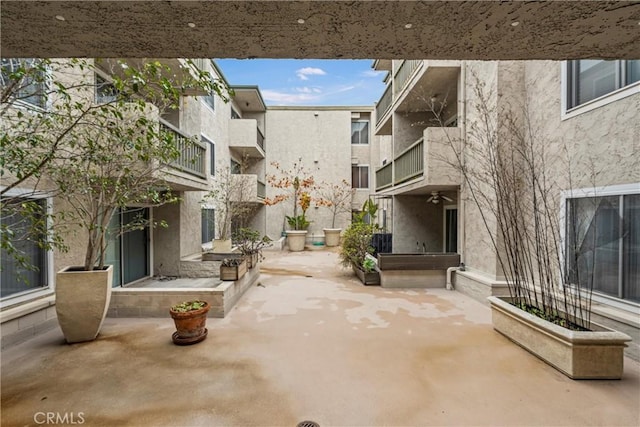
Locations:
(437, 29)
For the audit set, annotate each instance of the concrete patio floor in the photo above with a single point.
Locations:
(310, 343)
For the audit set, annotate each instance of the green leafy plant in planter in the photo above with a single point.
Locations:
(356, 244)
(233, 268)
(190, 318)
(250, 244)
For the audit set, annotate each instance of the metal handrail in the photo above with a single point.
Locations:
(410, 163)
(192, 152)
(384, 176)
(404, 72)
(384, 104)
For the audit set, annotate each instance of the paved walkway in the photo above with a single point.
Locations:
(310, 343)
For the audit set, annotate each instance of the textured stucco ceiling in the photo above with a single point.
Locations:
(331, 29)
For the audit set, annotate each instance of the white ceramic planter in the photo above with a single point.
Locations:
(296, 240)
(331, 236)
(595, 354)
(82, 301)
(221, 246)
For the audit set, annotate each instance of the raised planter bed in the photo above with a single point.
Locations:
(595, 354)
(219, 256)
(233, 272)
(419, 270)
(367, 278)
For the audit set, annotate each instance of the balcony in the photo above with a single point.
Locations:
(188, 171)
(246, 138)
(430, 161)
(405, 71)
(247, 188)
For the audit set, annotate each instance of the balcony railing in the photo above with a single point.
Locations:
(260, 139)
(384, 104)
(262, 190)
(410, 163)
(404, 72)
(384, 176)
(192, 152)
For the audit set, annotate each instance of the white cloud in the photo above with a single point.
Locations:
(307, 89)
(285, 98)
(372, 73)
(302, 73)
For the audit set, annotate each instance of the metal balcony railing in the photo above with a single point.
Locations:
(262, 190)
(384, 176)
(260, 140)
(404, 72)
(192, 152)
(410, 163)
(384, 104)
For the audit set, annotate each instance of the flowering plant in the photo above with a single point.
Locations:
(295, 183)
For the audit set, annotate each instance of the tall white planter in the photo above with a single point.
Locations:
(296, 240)
(82, 301)
(221, 246)
(331, 236)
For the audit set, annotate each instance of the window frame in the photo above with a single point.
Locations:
(360, 166)
(619, 190)
(49, 288)
(368, 122)
(204, 99)
(567, 86)
(212, 153)
(46, 87)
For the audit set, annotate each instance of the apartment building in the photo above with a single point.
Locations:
(587, 112)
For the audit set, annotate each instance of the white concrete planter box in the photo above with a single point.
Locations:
(595, 354)
(296, 240)
(82, 301)
(332, 236)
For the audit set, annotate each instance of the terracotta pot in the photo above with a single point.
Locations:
(190, 325)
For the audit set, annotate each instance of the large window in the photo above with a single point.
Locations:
(359, 176)
(589, 79)
(209, 100)
(32, 89)
(360, 132)
(603, 244)
(24, 269)
(208, 224)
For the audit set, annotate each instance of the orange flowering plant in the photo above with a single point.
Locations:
(296, 183)
(336, 197)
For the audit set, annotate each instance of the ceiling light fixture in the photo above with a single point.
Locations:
(408, 26)
(301, 21)
(60, 17)
(515, 23)
(191, 25)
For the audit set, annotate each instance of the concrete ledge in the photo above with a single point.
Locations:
(155, 302)
(478, 286)
(413, 278)
(27, 320)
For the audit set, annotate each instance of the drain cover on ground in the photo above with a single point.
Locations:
(308, 424)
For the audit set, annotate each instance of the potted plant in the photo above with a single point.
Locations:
(356, 246)
(229, 197)
(250, 244)
(337, 198)
(295, 184)
(233, 268)
(190, 318)
(97, 159)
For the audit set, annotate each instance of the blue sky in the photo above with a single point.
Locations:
(307, 82)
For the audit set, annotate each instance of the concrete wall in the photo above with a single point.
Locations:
(321, 138)
(415, 220)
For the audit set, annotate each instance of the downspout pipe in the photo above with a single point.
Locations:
(450, 271)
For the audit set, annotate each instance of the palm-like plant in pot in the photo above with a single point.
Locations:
(98, 157)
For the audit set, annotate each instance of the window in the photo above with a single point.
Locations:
(235, 167)
(212, 154)
(589, 79)
(360, 132)
(603, 244)
(360, 176)
(105, 91)
(208, 224)
(209, 100)
(33, 88)
(234, 114)
(26, 270)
